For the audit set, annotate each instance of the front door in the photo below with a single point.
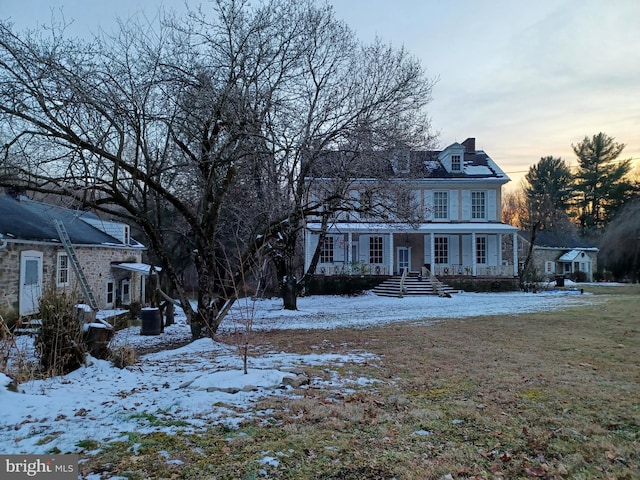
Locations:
(125, 292)
(404, 259)
(30, 282)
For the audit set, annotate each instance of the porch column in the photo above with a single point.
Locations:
(474, 267)
(515, 254)
(432, 253)
(500, 254)
(391, 254)
(349, 248)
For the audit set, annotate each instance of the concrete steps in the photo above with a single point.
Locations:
(413, 287)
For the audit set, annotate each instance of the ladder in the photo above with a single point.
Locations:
(71, 253)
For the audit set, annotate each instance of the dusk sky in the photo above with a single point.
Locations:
(525, 78)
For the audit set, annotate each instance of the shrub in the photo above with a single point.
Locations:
(123, 356)
(60, 339)
(579, 276)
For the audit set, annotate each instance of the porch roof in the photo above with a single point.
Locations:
(459, 228)
(572, 255)
(141, 268)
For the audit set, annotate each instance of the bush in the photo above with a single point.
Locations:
(579, 276)
(123, 356)
(341, 284)
(60, 339)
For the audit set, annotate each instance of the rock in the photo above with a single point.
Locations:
(296, 382)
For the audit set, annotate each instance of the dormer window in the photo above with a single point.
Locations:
(400, 160)
(455, 163)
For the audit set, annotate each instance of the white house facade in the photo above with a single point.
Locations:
(456, 194)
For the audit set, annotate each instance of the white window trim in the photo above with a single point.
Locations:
(59, 270)
(456, 167)
(483, 193)
(445, 193)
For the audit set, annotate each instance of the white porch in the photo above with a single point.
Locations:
(464, 249)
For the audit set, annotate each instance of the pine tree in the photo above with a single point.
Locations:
(548, 191)
(600, 186)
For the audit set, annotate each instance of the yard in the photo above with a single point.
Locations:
(514, 394)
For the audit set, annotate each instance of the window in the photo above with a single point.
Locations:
(455, 163)
(441, 205)
(111, 294)
(127, 235)
(326, 254)
(481, 250)
(375, 250)
(62, 270)
(478, 205)
(441, 245)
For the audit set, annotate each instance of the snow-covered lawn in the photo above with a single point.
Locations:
(202, 383)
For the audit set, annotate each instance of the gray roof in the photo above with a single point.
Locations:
(545, 238)
(24, 219)
(422, 164)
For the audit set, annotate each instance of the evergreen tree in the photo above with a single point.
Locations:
(548, 193)
(601, 187)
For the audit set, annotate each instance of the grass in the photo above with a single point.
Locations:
(549, 395)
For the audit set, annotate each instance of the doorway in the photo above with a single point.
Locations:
(404, 259)
(30, 282)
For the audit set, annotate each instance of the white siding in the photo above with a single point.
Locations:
(114, 229)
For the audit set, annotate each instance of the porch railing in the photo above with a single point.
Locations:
(440, 270)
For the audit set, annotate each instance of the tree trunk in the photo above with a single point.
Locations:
(290, 293)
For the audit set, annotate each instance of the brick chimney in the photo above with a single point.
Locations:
(470, 145)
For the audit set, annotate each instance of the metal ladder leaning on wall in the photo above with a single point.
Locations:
(71, 253)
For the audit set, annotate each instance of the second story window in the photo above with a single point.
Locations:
(478, 206)
(440, 205)
(375, 250)
(456, 165)
(326, 254)
(62, 273)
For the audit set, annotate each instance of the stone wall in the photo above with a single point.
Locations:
(9, 281)
(95, 261)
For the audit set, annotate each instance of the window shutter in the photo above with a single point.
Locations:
(466, 204)
(428, 204)
(491, 205)
(453, 205)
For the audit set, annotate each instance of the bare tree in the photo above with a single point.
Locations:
(202, 130)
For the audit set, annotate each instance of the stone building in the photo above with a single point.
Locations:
(33, 258)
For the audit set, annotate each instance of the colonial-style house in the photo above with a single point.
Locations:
(557, 254)
(33, 256)
(456, 193)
